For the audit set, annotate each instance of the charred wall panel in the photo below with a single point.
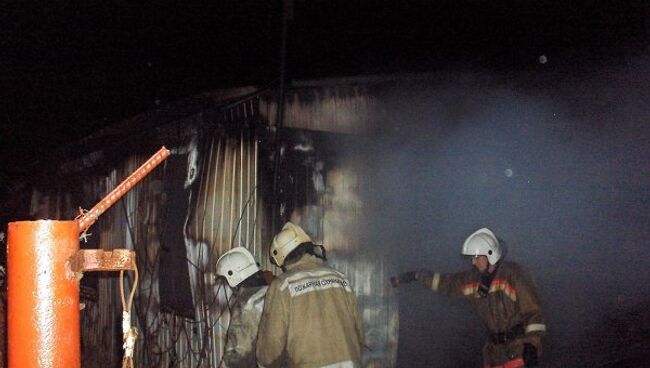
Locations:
(174, 284)
(322, 189)
(344, 108)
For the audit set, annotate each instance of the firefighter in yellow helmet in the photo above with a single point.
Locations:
(249, 283)
(311, 317)
(503, 295)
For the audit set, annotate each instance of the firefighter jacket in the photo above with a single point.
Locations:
(245, 317)
(311, 319)
(511, 304)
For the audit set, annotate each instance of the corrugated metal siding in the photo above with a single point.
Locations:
(226, 207)
(336, 109)
(225, 213)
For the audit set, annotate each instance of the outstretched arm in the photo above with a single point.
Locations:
(450, 284)
(454, 284)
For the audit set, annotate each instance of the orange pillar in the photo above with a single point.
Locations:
(43, 295)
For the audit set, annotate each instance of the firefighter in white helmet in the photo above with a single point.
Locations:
(249, 286)
(502, 293)
(311, 317)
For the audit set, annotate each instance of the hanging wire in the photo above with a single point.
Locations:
(129, 332)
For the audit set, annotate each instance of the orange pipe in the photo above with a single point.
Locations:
(91, 216)
(43, 295)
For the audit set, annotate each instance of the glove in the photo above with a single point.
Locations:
(530, 355)
(403, 278)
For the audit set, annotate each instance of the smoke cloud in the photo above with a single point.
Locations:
(556, 163)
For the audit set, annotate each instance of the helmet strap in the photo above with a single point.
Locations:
(306, 248)
(486, 281)
(254, 280)
(319, 251)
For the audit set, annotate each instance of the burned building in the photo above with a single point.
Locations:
(389, 173)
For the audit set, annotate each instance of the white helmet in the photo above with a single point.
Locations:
(236, 265)
(286, 241)
(483, 242)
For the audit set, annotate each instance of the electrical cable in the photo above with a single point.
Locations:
(130, 333)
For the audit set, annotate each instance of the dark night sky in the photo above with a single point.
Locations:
(69, 68)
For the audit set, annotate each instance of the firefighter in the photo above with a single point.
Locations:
(249, 283)
(503, 295)
(311, 317)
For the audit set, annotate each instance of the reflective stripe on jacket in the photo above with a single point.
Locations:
(311, 319)
(511, 300)
(515, 363)
(245, 317)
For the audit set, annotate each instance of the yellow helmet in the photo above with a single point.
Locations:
(286, 241)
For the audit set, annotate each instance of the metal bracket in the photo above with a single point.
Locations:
(100, 260)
